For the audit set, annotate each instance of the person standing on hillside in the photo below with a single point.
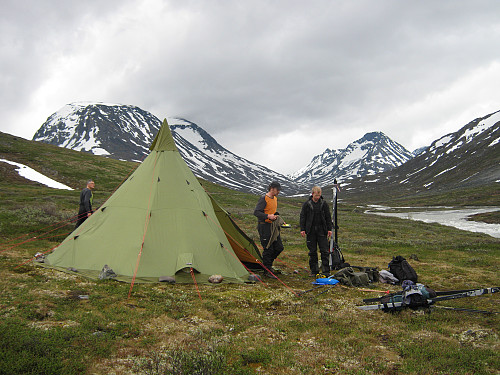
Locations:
(267, 215)
(316, 225)
(86, 200)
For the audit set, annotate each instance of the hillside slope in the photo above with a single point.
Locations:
(66, 166)
(466, 159)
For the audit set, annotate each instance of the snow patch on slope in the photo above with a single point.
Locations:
(31, 174)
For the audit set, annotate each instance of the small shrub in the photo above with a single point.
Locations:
(260, 355)
(29, 351)
(183, 362)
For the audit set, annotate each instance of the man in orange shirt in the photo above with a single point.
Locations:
(266, 212)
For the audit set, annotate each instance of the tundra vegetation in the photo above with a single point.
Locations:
(55, 323)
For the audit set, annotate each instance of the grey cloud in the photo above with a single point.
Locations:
(241, 68)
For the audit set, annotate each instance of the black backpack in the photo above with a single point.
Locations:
(338, 261)
(402, 270)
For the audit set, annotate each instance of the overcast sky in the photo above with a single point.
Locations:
(274, 81)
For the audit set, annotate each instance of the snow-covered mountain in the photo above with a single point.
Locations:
(373, 153)
(126, 132)
(419, 150)
(470, 156)
(466, 158)
(212, 162)
(120, 131)
(471, 153)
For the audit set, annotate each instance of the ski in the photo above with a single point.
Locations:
(334, 240)
(470, 293)
(464, 310)
(383, 306)
(442, 293)
(378, 299)
(431, 301)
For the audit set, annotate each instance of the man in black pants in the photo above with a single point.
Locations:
(316, 225)
(266, 214)
(86, 200)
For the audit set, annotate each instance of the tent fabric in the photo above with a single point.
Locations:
(244, 247)
(159, 222)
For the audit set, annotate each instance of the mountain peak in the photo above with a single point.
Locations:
(468, 157)
(371, 154)
(373, 136)
(101, 128)
(126, 132)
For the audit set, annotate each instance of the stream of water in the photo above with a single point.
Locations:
(451, 217)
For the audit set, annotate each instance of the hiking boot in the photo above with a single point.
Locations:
(321, 275)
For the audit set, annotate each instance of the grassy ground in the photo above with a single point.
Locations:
(488, 217)
(55, 323)
(49, 325)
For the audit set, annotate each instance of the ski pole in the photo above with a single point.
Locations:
(373, 290)
(309, 290)
(324, 291)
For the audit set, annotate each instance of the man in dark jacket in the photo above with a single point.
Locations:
(316, 225)
(266, 215)
(86, 200)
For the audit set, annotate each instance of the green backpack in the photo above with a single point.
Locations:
(348, 276)
(372, 273)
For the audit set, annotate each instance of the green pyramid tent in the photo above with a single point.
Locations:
(159, 222)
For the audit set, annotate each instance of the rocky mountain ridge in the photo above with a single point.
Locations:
(126, 132)
(372, 154)
(467, 158)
